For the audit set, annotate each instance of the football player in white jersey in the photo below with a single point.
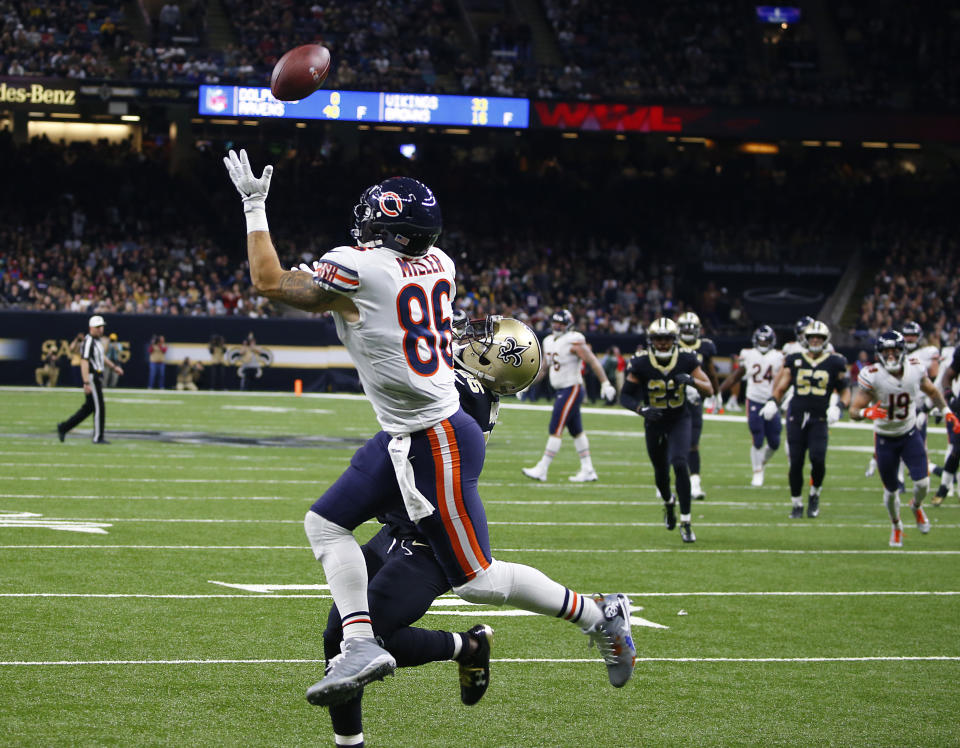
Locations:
(759, 366)
(894, 383)
(391, 297)
(929, 358)
(564, 350)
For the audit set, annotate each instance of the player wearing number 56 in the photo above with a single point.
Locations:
(391, 296)
(656, 387)
(814, 373)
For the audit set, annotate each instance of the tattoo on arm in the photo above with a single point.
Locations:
(298, 289)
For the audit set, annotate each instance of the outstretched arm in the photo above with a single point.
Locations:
(292, 287)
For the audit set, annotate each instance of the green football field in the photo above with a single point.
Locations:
(160, 590)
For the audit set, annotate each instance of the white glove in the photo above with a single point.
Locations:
(693, 394)
(304, 267)
(833, 415)
(608, 392)
(252, 189)
(769, 410)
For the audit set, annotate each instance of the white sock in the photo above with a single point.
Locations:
(527, 588)
(346, 571)
(684, 517)
(582, 445)
(348, 739)
(768, 452)
(756, 459)
(815, 490)
(553, 446)
(891, 500)
(457, 645)
(947, 479)
(796, 500)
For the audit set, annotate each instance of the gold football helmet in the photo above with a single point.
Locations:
(689, 326)
(501, 352)
(663, 335)
(816, 329)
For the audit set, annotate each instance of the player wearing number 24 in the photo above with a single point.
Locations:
(894, 383)
(391, 297)
(814, 373)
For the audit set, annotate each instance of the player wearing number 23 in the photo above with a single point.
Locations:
(895, 384)
(655, 387)
(814, 373)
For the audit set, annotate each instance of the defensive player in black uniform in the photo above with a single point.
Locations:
(814, 373)
(688, 324)
(404, 576)
(655, 387)
(948, 474)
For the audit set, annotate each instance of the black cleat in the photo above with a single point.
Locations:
(797, 512)
(686, 533)
(938, 499)
(475, 667)
(100, 441)
(670, 513)
(61, 433)
(813, 505)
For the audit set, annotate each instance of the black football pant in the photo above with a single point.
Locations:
(806, 433)
(93, 404)
(696, 429)
(668, 444)
(405, 578)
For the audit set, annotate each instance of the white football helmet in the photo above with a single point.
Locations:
(501, 352)
(663, 335)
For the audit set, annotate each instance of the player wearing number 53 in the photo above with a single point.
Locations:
(814, 374)
(391, 297)
(656, 388)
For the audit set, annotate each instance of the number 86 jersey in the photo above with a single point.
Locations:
(897, 395)
(402, 343)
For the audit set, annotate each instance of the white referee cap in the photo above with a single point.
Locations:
(96, 321)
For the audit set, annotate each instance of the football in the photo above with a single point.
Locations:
(300, 72)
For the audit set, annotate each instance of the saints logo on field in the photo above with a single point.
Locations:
(511, 352)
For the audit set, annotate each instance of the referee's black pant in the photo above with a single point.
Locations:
(93, 404)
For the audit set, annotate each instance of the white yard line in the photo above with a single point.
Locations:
(503, 523)
(511, 660)
(835, 552)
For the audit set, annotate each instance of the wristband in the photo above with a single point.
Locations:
(256, 215)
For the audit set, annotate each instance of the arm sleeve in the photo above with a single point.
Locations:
(865, 379)
(630, 395)
(338, 271)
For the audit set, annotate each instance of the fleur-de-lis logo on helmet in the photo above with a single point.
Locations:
(511, 352)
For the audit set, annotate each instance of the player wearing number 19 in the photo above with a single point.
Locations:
(391, 297)
(656, 388)
(895, 383)
(814, 373)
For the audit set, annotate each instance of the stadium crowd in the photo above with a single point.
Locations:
(887, 56)
(89, 247)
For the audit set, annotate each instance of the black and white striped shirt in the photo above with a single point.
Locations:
(93, 352)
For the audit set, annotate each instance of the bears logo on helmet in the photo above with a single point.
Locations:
(911, 332)
(764, 338)
(401, 214)
(887, 342)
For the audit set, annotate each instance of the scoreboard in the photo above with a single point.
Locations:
(368, 106)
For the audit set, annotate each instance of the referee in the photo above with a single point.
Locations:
(91, 370)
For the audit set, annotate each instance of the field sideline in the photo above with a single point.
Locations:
(160, 590)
